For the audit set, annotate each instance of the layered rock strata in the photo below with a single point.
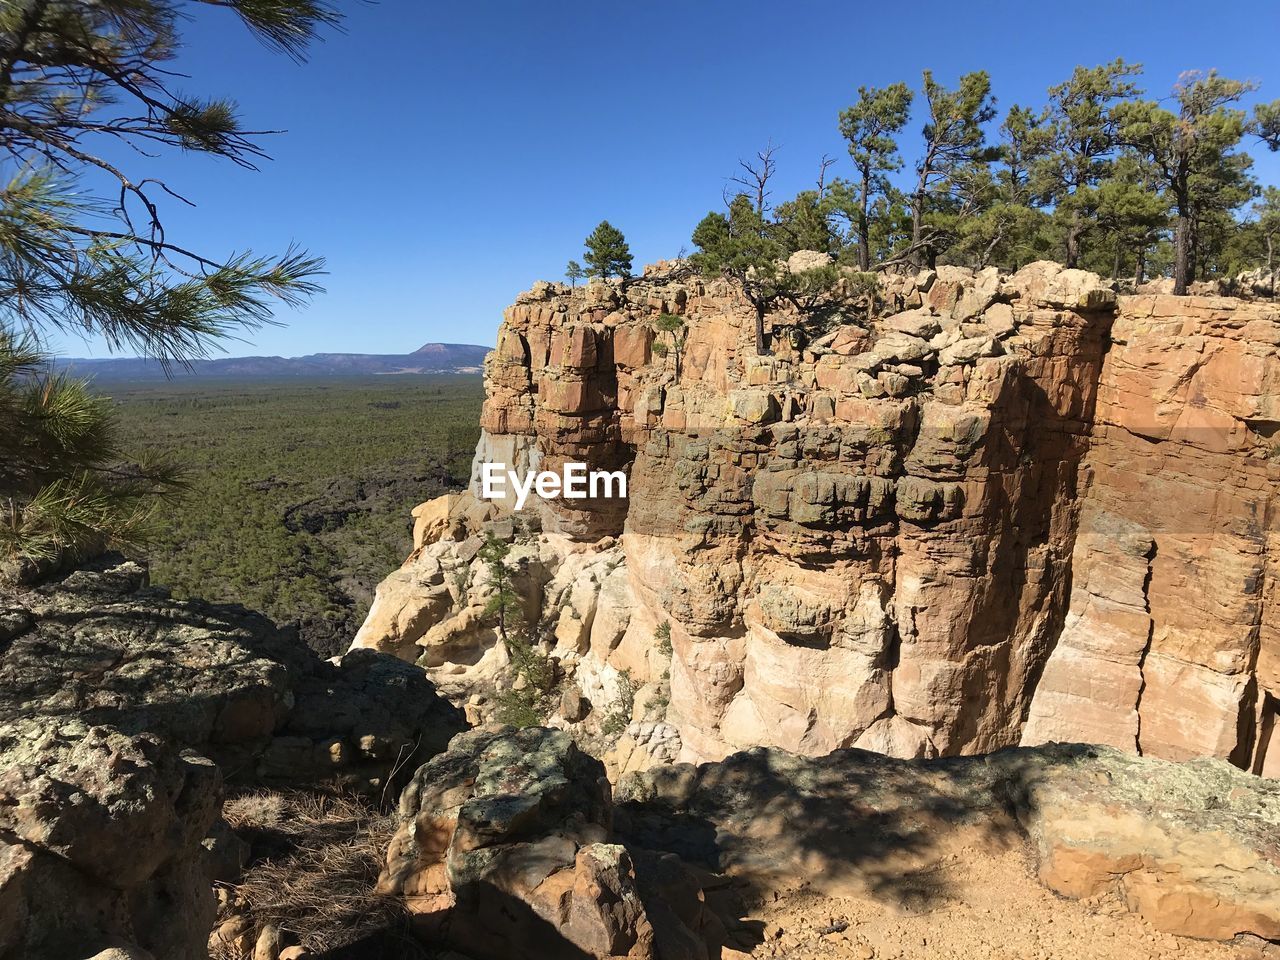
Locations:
(1171, 645)
(914, 535)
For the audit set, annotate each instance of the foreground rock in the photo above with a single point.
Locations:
(1192, 848)
(510, 845)
(506, 850)
(120, 712)
(101, 647)
(100, 844)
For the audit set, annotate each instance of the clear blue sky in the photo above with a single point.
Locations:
(443, 156)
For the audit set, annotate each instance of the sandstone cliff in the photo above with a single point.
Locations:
(1013, 507)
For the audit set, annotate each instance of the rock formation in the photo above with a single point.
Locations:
(102, 647)
(1006, 507)
(100, 843)
(1171, 643)
(506, 850)
(510, 846)
(121, 711)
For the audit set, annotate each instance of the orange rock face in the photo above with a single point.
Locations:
(1011, 508)
(1170, 646)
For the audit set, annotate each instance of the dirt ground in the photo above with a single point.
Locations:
(993, 910)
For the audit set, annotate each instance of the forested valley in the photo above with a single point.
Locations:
(298, 492)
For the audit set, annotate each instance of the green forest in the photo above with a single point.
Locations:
(1104, 175)
(298, 492)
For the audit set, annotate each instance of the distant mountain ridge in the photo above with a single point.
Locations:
(428, 358)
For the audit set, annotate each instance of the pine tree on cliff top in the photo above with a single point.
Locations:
(79, 80)
(1195, 157)
(607, 252)
(871, 126)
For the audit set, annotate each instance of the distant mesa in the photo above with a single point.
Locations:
(428, 358)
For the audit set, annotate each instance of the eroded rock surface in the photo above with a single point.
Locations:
(506, 849)
(100, 843)
(1171, 644)
(121, 711)
(897, 537)
(101, 647)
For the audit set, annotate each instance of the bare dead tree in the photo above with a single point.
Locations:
(756, 175)
(824, 165)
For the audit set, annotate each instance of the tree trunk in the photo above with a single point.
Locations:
(1073, 241)
(1182, 254)
(762, 348)
(917, 223)
(1140, 265)
(1271, 264)
(864, 225)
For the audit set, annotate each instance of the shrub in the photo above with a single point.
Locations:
(623, 706)
(663, 636)
(531, 699)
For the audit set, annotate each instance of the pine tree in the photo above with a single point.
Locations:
(66, 488)
(955, 151)
(82, 85)
(607, 252)
(1193, 153)
(1131, 215)
(1257, 242)
(750, 250)
(574, 272)
(1080, 130)
(672, 325)
(737, 247)
(870, 126)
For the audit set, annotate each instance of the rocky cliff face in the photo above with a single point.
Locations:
(1012, 506)
(1171, 643)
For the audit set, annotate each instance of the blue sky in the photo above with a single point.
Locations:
(442, 157)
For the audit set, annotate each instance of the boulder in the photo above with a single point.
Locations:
(432, 520)
(106, 649)
(1052, 285)
(1191, 847)
(966, 351)
(506, 849)
(914, 323)
(804, 260)
(100, 846)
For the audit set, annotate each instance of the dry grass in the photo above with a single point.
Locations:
(316, 860)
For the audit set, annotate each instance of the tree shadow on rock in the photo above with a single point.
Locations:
(849, 824)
